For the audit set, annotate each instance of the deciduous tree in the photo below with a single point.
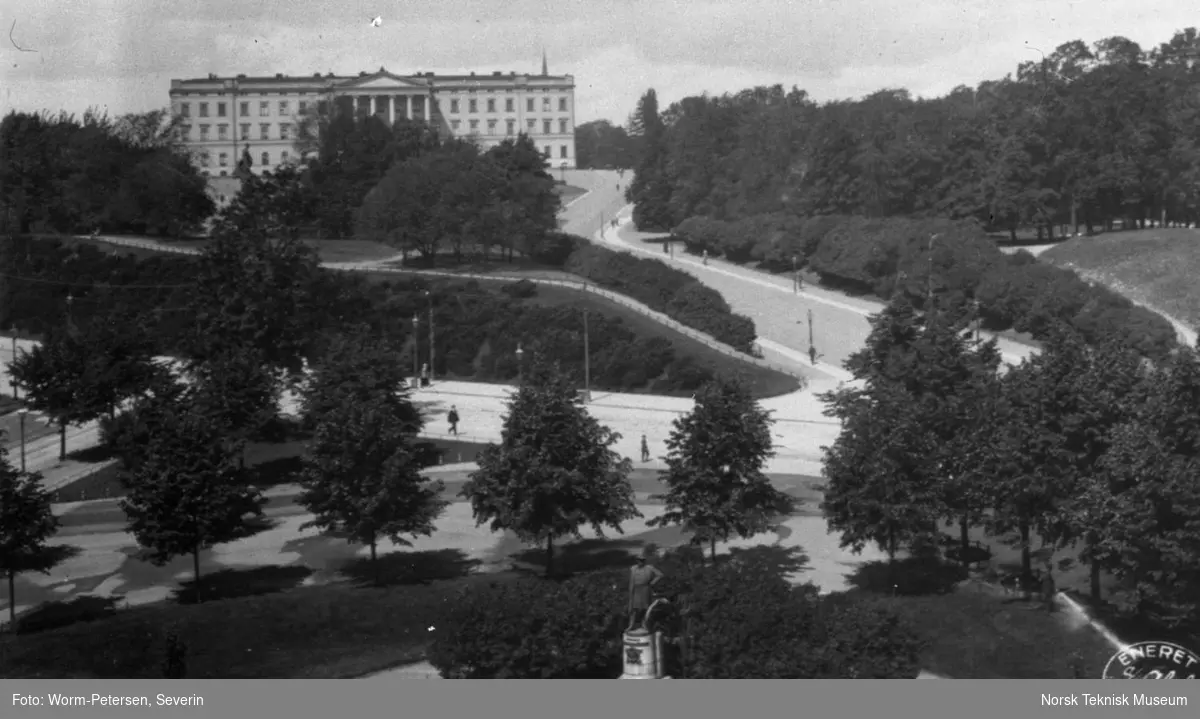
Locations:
(27, 523)
(715, 459)
(554, 469)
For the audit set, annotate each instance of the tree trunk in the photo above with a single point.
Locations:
(12, 601)
(1074, 217)
(964, 531)
(196, 573)
(1012, 233)
(1026, 559)
(374, 564)
(891, 544)
(712, 550)
(549, 556)
(62, 441)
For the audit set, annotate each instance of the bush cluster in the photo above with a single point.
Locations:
(893, 255)
(664, 289)
(477, 329)
(735, 620)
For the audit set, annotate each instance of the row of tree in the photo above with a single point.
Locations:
(1087, 136)
(59, 173)
(1089, 449)
(923, 259)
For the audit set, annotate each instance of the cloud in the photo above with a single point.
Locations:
(123, 53)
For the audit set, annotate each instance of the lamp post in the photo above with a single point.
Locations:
(795, 275)
(416, 351)
(12, 379)
(22, 412)
(587, 361)
(520, 365)
(432, 371)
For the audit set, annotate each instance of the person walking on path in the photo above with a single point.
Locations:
(1048, 590)
(645, 450)
(453, 419)
(642, 577)
(704, 257)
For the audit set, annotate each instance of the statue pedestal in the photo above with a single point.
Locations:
(641, 655)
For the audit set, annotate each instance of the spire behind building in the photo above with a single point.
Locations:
(545, 70)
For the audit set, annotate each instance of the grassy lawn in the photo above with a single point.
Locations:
(763, 382)
(1157, 267)
(973, 635)
(568, 192)
(10, 430)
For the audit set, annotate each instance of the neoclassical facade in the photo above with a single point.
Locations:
(222, 117)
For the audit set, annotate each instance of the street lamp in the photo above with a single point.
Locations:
(587, 361)
(416, 345)
(429, 296)
(22, 412)
(11, 377)
(520, 365)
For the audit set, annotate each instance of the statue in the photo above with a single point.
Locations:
(642, 577)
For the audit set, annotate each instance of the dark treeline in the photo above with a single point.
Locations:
(1085, 138)
(59, 173)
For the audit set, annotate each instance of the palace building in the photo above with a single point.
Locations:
(223, 117)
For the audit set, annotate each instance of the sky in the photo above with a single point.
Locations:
(120, 55)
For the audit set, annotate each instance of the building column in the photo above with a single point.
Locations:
(408, 106)
(429, 109)
(391, 110)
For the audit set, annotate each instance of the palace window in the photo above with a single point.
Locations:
(283, 107)
(222, 132)
(491, 105)
(532, 125)
(491, 127)
(511, 126)
(529, 105)
(220, 109)
(508, 105)
(562, 104)
(223, 159)
(562, 151)
(546, 127)
(244, 131)
(264, 131)
(562, 127)
(185, 110)
(266, 159)
(204, 133)
(244, 109)
(454, 106)
(204, 109)
(472, 105)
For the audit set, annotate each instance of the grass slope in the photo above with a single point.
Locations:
(1155, 267)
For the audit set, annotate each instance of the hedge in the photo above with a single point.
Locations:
(889, 255)
(664, 289)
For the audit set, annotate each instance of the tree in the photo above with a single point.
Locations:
(715, 456)
(553, 470)
(650, 191)
(27, 523)
(362, 474)
(186, 493)
(52, 375)
(254, 288)
(239, 391)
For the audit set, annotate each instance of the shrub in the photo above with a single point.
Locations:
(520, 289)
(738, 619)
(533, 629)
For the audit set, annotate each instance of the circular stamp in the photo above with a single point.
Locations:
(1153, 660)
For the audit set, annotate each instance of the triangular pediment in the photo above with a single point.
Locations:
(382, 80)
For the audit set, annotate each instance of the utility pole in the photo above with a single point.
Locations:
(416, 346)
(587, 361)
(429, 296)
(810, 330)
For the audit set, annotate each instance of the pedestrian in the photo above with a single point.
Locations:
(453, 419)
(812, 355)
(642, 577)
(424, 374)
(704, 257)
(645, 450)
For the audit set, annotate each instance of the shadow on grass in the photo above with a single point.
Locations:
(397, 568)
(778, 560)
(52, 615)
(97, 453)
(914, 576)
(237, 583)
